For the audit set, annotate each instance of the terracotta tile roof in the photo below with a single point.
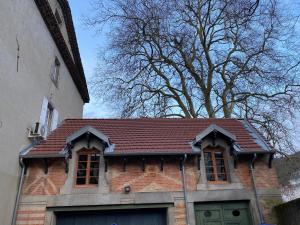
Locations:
(150, 135)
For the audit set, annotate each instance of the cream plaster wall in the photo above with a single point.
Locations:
(22, 91)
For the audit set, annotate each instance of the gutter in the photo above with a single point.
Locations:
(184, 190)
(42, 156)
(261, 217)
(20, 183)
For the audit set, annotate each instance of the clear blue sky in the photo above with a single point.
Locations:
(89, 42)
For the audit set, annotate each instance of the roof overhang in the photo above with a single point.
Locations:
(125, 154)
(214, 129)
(87, 131)
(71, 58)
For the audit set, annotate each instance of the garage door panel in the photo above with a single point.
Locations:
(223, 213)
(120, 217)
(211, 214)
(214, 223)
(235, 214)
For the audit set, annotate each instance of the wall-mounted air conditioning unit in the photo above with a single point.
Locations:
(36, 133)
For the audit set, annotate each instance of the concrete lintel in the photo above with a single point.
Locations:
(220, 195)
(109, 199)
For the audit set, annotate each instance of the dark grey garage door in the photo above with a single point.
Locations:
(120, 217)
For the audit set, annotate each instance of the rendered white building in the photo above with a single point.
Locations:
(42, 82)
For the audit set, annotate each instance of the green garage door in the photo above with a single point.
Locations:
(225, 213)
(121, 217)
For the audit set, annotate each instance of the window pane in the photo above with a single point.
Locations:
(221, 171)
(208, 159)
(95, 157)
(87, 168)
(209, 166)
(93, 180)
(210, 177)
(81, 173)
(222, 177)
(209, 170)
(219, 155)
(94, 172)
(95, 165)
(80, 180)
(82, 158)
(82, 165)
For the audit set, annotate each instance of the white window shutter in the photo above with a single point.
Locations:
(43, 115)
(55, 120)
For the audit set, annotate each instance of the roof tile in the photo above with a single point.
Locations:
(148, 135)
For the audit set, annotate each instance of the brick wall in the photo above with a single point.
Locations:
(31, 214)
(180, 213)
(152, 179)
(38, 183)
(266, 178)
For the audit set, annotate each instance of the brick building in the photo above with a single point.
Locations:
(150, 172)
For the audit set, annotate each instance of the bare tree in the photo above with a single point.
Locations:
(202, 58)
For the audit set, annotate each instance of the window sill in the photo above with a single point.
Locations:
(85, 186)
(85, 190)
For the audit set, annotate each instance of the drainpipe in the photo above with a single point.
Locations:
(16, 206)
(184, 190)
(261, 217)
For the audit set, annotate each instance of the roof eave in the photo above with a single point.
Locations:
(42, 156)
(150, 154)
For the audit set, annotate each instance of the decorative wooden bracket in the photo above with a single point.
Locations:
(271, 160)
(231, 150)
(25, 165)
(88, 138)
(161, 164)
(69, 150)
(143, 164)
(214, 138)
(180, 163)
(105, 165)
(67, 165)
(46, 162)
(235, 162)
(198, 161)
(124, 164)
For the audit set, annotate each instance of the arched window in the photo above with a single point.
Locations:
(215, 165)
(87, 169)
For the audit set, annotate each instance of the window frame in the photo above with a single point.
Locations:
(49, 118)
(215, 168)
(55, 72)
(58, 17)
(87, 152)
